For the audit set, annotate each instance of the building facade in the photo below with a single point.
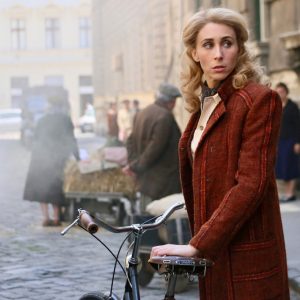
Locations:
(46, 42)
(137, 43)
(274, 37)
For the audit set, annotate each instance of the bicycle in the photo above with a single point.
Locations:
(170, 266)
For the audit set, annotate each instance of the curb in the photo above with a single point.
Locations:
(294, 280)
(294, 284)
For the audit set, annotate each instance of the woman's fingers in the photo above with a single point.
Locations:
(179, 250)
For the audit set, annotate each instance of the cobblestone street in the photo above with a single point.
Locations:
(37, 263)
(45, 265)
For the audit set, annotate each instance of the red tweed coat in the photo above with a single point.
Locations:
(231, 196)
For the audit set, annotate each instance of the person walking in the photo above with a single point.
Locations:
(112, 125)
(152, 148)
(135, 107)
(287, 165)
(125, 120)
(54, 142)
(227, 163)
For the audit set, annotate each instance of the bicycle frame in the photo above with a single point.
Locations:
(131, 290)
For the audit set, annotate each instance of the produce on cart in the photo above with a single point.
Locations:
(99, 185)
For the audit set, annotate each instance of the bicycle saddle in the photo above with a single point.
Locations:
(180, 265)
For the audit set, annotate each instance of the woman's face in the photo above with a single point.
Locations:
(216, 51)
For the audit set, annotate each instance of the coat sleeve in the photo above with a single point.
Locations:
(296, 118)
(255, 166)
(71, 140)
(155, 146)
(131, 148)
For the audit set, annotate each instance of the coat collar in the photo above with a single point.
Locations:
(216, 115)
(162, 104)
(226, 89)
(225, 92)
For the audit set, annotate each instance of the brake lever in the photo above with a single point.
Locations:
(75, 222)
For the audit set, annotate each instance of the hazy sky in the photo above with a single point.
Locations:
(6, 3)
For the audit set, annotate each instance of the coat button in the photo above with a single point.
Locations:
(201, 127)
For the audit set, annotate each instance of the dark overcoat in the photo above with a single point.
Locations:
(54, 142)
(152, 151)
(231, 196)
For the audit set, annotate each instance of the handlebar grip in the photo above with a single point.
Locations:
(88, 223)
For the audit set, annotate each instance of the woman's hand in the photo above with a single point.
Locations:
(127, 171)
(175, 250)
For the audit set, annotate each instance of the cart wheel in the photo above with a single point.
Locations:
(181, 283)
(121, 215)
(71, 211)
(147, 272)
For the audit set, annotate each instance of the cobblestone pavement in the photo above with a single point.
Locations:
(44, 265)
(37, 263)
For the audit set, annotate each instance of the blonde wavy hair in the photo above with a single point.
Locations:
(192, 74)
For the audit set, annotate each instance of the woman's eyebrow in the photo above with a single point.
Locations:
(212, 39)
(207, 40)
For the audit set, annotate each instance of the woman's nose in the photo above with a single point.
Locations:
(218, 52)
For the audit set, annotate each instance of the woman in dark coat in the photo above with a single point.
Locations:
(287, 165)
(227, 162)
(54, 142)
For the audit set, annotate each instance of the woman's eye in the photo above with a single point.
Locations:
(207, 45)
(227, 44)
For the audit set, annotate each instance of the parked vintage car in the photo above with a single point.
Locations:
(87, 122)
(10, 120)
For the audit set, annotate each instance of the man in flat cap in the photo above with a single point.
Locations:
(152, 148)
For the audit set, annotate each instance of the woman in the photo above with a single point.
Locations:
(227, 156)
(287, 165)
(54, 142)
(112, 125)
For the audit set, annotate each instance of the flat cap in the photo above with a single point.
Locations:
(168, 91)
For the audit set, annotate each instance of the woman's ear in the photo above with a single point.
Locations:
(195, 55)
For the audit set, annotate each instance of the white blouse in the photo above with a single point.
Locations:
(208, 105)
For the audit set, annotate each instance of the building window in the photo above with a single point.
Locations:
(17, 87)
(18, 34)
(52, 33)
(85, 81)
(84, 32)
(54, 81)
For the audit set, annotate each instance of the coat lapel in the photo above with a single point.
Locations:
(214, 118)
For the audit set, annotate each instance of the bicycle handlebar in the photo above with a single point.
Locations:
(87, 221)
(91, 224)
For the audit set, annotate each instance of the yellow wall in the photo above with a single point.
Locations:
(36, 62)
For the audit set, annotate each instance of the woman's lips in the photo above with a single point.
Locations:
(219, 68)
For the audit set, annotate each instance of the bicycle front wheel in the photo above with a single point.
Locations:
(98, 296)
